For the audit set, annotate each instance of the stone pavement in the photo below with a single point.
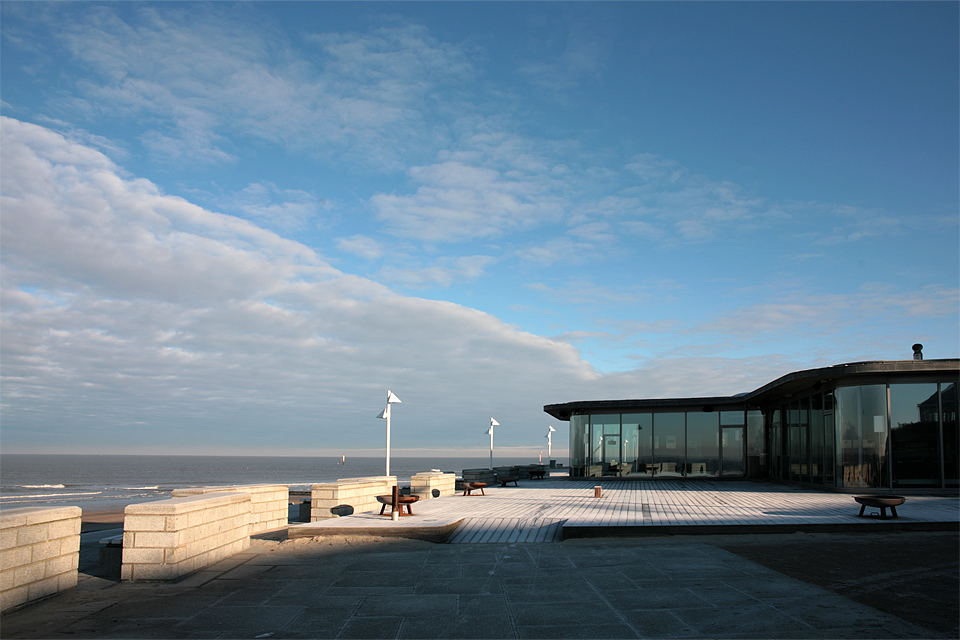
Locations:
(344, 587)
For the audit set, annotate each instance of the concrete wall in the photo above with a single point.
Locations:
(39, 553)
(269, 503)
(423, 484)
(347, 496)
(170, 538)
(479, 475)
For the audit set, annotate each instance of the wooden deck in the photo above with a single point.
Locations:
(552, 509)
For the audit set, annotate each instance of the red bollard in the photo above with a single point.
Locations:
(598, 492)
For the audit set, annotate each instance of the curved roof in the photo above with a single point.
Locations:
(784, 386)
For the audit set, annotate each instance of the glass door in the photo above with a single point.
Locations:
(731, 451)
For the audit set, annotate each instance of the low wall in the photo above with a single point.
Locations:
(347, 496)
(269, 503)
(425, 483)
(170, 538)
(479, 475)
(39, 553)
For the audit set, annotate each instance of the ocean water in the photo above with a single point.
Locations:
(104, 482)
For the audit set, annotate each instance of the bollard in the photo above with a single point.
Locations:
(394, 512)
(598, 492)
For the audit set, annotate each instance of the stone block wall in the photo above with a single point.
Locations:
(423, 484)
(347, 496)
(479, 475)
(39, 553)
(166, 539)
(269, 503)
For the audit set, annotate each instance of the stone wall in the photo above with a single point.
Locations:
(479, 475)
(170, 538)
(425, 483)
(269, 503)
(39, 553)
(347, 496)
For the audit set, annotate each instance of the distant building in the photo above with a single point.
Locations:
(880, 425)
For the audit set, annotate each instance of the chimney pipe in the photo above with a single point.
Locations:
(918, 351)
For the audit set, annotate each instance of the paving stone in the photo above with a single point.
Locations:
(658, 597)
(233, 620)
(757, 618)
(461, 626)
(577, 631)
(482, 605)
(440, 605)
(658, 624)
(465, 586)
(366, 580)
(589, 611)
(371, 628)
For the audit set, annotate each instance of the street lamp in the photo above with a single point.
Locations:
(385, 414)
(550, 431)
(493, 423)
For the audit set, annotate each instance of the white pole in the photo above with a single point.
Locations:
(385, 414)
(388, 439)
(491, 447)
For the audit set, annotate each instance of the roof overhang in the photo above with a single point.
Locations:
(792, 384)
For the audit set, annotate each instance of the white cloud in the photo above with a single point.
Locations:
(817, 314)
(122, 305)
(457, 202)
(443, 274)
(360, 245)
(195, 79)
(274, 207)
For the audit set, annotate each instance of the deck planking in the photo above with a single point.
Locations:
(538, 510)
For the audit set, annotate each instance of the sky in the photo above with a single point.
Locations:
(231, 228)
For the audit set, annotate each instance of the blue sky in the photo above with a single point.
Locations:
(230, 228)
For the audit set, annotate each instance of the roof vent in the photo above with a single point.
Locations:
(918, 351)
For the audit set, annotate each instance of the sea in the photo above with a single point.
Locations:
(109, 482)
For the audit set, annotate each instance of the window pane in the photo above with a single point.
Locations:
(951, 435)
(637, 429)
(861, 414)
(668, 443)
(816, 439)
(915, 435)
(604, 445)
(732, 451)
(756, 444)
(732, 418)
(578, 440)
(703, 444)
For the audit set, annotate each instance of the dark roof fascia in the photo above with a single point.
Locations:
(784, 386)
(846, 374)
(617, 406)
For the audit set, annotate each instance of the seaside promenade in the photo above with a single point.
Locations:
(659, 559)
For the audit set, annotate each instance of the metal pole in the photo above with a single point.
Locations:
(493, 423)
(388, 439)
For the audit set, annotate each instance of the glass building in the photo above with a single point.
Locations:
(879, 425)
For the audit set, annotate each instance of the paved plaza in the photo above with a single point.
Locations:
(874, 579)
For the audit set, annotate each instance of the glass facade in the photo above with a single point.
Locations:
(670, 444)
(885, 436)
(893, 436)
